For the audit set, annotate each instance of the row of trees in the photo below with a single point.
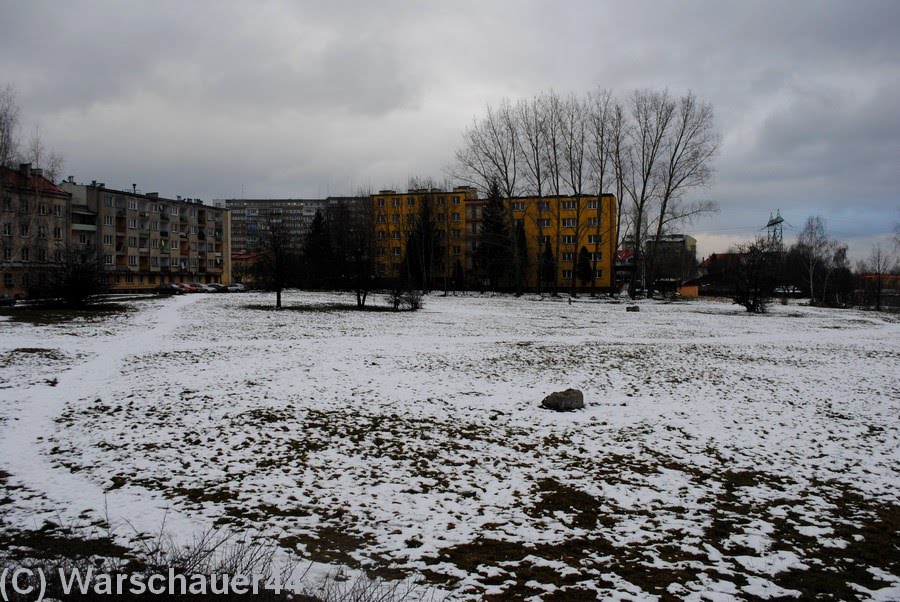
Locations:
(817, 266)
(651, 150)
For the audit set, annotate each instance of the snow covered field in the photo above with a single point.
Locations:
(721, 454)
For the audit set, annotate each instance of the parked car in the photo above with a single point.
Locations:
(6, 300)
(188, 288)
(217, 288)
(236, 287)
(169, 289)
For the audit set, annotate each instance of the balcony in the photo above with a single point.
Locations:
(84, 228)
(164, 233)
(164, 216)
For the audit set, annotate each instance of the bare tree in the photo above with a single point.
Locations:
(874, 272)
(689, 147)
(491, 151)
(9, 127)
(531, 122)
(620, 153)
(814, 247)
(576, 170)
(278, 261)
(755, 273)
(652, 114)
(600, 106)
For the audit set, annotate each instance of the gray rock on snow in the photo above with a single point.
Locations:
(563, 401)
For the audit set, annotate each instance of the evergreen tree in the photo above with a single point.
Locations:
(423, 248)
(493, 255)
(548, 265)
(583, 267)
(317, 253)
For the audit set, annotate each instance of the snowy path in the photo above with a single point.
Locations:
(72, 496)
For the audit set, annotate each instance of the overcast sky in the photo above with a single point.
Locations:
(303, 99)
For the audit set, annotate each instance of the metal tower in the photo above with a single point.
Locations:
(775, 228)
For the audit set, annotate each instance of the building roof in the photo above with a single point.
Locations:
(18, 178)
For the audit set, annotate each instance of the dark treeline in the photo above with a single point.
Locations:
(817, 267)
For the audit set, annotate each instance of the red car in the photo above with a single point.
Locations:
(187, 287)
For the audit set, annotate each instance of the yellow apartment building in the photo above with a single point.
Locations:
(565, 224)
(395, 217)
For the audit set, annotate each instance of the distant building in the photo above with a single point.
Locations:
(145, 240)
(675, 258)
(35, 217)
(249, 216)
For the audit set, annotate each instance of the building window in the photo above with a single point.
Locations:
(395, 251)
(395, 202)
(592, 204)
(568, 239)
(455, 200)
(42, 255)
(594, 239)
(456, 217)
(395, 218)
(410, 201)
(568, 222)
(568, 205)
(108, 240)
(132, 260)
(567, 274)
(25, 253)
(457, 250)
(57, 233)
(108, 259)
(544, 222)
(593, 221)
(442, 217)
(107, 201)
(596, 256)
(543, 206)
(23, 230)
(568, 256)
(132, 241)
(441, 201)
(455, 233)
(395, 235)
(107, 220)
(42, 209)
(132, 203)
(7, 280)
(23, 205)
(132, 223)
(543, 239)
(129, 279)
(57, 210)
(7, 229)
(7, 205)
(42, 231)
(379, 203)
(598, 273)
(7, 254)
(518, 206)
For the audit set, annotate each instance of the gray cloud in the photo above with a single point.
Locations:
(298, 99)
